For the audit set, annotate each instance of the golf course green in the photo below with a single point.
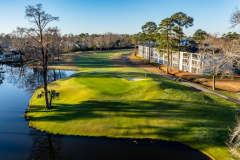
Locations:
(99, 100)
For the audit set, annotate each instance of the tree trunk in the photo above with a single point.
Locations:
(171, 60)
(44, 65)
(214, 67)
(53, 60)
(179, 55)
(135, 45)
(167, 53)
(213, 83)
(54, 75)
(179, 50)
(167, 61)
(45, 88)
(50, 101)
(60, 76)
(45, 80)
(171, 64)
(135, 48)
(149, 52)
(58, 54)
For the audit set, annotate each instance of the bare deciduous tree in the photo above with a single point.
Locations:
(127, 41)
(100, 41)
(107, 40)
(6, 42)
(234, 139)
(19, 39)
(221, 56)
(42, 37)
(235, 17)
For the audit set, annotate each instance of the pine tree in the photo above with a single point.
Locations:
(199, 35)
(181, 20)
(148, 33)
(163, 37)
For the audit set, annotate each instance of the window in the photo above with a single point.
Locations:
(194, 56)
(185, 61)
(175, 59)
(185, 55)
(195, 70)
(195, 63)
(184, 68)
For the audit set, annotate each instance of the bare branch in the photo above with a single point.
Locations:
(235, 17)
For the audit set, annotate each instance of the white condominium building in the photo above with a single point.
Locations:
(189, 62)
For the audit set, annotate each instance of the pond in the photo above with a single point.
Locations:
(18, 141)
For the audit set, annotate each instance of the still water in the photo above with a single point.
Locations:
(19, 142)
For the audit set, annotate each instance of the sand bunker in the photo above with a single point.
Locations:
(136, 79)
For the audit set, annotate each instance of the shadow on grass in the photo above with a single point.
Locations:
(204, 122)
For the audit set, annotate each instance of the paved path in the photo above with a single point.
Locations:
(188, 83)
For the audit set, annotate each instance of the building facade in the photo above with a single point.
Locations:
(189, 62)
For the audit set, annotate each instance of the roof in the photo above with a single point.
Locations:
(146, 44)
(192, 46)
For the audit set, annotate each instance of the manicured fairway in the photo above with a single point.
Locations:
(98, 100)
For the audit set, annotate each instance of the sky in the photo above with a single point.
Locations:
(120, 16)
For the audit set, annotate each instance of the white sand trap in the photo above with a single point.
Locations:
(136, 79)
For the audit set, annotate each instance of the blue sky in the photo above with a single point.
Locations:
(122, 16)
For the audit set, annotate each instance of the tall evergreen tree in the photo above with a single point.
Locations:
(148, 33)
(199, 35)
(163, 37)
(181, 20)
(173, 41)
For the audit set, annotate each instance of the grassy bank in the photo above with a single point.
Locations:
(98, 100)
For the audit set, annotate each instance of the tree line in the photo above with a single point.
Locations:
(21, 41)
(105, 41)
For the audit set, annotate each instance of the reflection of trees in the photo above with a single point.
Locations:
(30, 79)
(46, 146)
(54, 75)
(1, 74)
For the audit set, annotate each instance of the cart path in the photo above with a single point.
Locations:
(187, 83)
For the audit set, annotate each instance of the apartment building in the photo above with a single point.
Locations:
(189, 62)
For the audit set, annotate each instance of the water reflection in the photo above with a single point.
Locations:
(29, 79)
(1, 75)
(46, 146)
(15, 142)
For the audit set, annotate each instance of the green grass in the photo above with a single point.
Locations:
(223, 92)
(98, 100)
(228, 93)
